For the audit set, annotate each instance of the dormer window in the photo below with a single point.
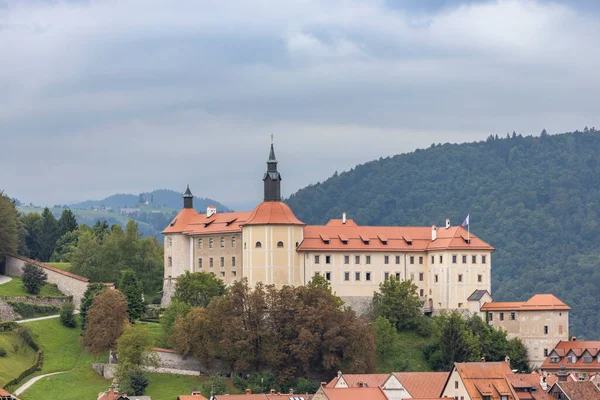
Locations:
(364, 239)
(324, 238)
(258, 245)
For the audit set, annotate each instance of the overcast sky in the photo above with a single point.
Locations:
(125, 96)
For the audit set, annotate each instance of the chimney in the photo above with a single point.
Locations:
(344, 217)
(196, 394)
(272, 391)
(433, 233)
(291, 390)
(574, 338)
(323, 384)
(248, 391)
(210, 211)
(339, 375)
(482, 359)
(360, 384)
(562, 374)
(507, 360)
(447, 223)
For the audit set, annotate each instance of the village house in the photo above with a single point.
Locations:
(271, 245)
(351, 393)
(585, 390)
(540, 322)
(4, 395)
(579, 358)
(480, 381)
(272, 395)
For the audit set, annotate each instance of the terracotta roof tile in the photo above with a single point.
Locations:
(365, 393)
(528, 381)
(536, 302)
(564, 347)
(51, 268)
(273, 213)
(4, 392)
(352, 380)
(486, 378)
(255, 396)
(423, 384)
(191, 397)
(584, 390)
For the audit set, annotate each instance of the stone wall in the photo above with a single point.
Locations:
(7, 313)
(70, 284)
(362, 305)
(40, 301)
(168, 291)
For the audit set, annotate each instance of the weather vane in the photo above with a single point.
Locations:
(271, 138)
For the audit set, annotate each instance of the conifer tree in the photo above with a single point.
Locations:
(67, 222)
(9, 236)
(132, 289)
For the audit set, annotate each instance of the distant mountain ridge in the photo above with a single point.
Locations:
(535, 199)
(160, 198)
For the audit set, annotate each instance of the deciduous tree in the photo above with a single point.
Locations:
(91, 292)
(9, 234)
(399, 302)
(106, 319)
(198, 288)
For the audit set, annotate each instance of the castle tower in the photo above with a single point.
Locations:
(272, 178)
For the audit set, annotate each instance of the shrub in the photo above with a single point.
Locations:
(34, 278)
(2, 352)
(15, 348)
(137, 382)
(25, 335)
(67, 318)
(28, 310)
(214, 385)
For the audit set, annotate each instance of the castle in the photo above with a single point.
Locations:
(271, 245)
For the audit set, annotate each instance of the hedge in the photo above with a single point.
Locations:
(28, 310)
(37, 365)
(8, 326)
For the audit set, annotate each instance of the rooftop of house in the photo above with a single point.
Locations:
(565, 350)
(486, 379)
(527, 386)
(582, 390)
(353, 393)
(537, 302)
(478, 294)
(255, 396)
(423, 384)
(354, 380)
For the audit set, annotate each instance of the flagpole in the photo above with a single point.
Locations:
(469, 228)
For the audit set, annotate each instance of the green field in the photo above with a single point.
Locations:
(61, 265)
(157, 334)
(14, 363)
(15, 288)
(409, 354)
(72, 385)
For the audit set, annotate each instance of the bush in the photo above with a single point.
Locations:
(137, 382)
(2, 352)
(26, 337)
(34, 278)
(214, 385)
(28, 310)
(67, 318)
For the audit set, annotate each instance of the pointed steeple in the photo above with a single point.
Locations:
(272, 178)
(188, 198)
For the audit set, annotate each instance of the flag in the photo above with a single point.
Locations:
(466, 221)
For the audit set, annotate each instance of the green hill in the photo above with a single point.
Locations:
(536, 199)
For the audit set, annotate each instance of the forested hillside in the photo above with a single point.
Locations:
(536, 199)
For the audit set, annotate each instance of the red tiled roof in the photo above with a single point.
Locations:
(254, 396)
(189, 222)
(339, 222)
(486, 378)
(423, 384)
(582, 390)
(273, 213)
(352, 380)
(541, 302)
(181, 221)
(420, 238)
(191, 397)
(4, 392)
(563, 348)
(354, 393)
(50, 268)
(528, 381)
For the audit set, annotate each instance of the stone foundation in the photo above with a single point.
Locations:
(168, 291)
(362, 305)
(39, 301)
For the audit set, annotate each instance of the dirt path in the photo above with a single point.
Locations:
(30, 382)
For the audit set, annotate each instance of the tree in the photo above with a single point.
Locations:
(90, 294)
(9, 234)
(131, 288)
(67, 318)
(105, 321)
(67, 222)
(214, 385)
(172, 312)
(399, 302)
(34, 278)
(134, 347)
(85, 256)
(198, 288)
(32, 224)
(454, 342)
(136, 382)
(48, 235)
(518, 355)
(386, 338)
(64, 246)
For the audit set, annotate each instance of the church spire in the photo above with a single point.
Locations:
(272, 178)
(188, 198)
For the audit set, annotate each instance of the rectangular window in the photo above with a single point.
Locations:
(441, 259)
(200, 263)
(170, 261)
(346, 259)
(170, 242)
(421, 292)
(474, 259)
(513, 315)
(233, 261)
(210, 262)
(357, 276)
(490, 316)
(397, 259)
(317, 259)
(233, 242)
(412, 259)
(453, 259)
(356, 259)
(346, 276)
(455, 384)
(222, 274)
(501, 316)
(436, 278)
(560, 329)
(459, 305)
(211, 243)
(327, 259)
(200, 243)
(433, 259)
(397, 276)
(233, 274)
(483, 259)
(545, 329)
(367, 276)
(222, 262)
(421, 276)
(367, 259)
(479, 278)
(386, 276)
(328, 276)
(421, 260)
(222, 240)
(464, 259)
(386, 259)
(460, 277)
(545, 352)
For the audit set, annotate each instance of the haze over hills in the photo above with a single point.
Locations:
(536, 199)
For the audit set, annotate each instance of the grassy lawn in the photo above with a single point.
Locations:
(72, 385)
(65, 266)
(15, 288)
(14, 363)
(62, 346)
(167, 386)
(157, 334)
(409, 355)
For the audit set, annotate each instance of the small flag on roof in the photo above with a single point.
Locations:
(466, 221)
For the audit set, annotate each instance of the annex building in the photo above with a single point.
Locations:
(271, 245)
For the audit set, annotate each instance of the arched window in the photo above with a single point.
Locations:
(279, 244)
(258, 245)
